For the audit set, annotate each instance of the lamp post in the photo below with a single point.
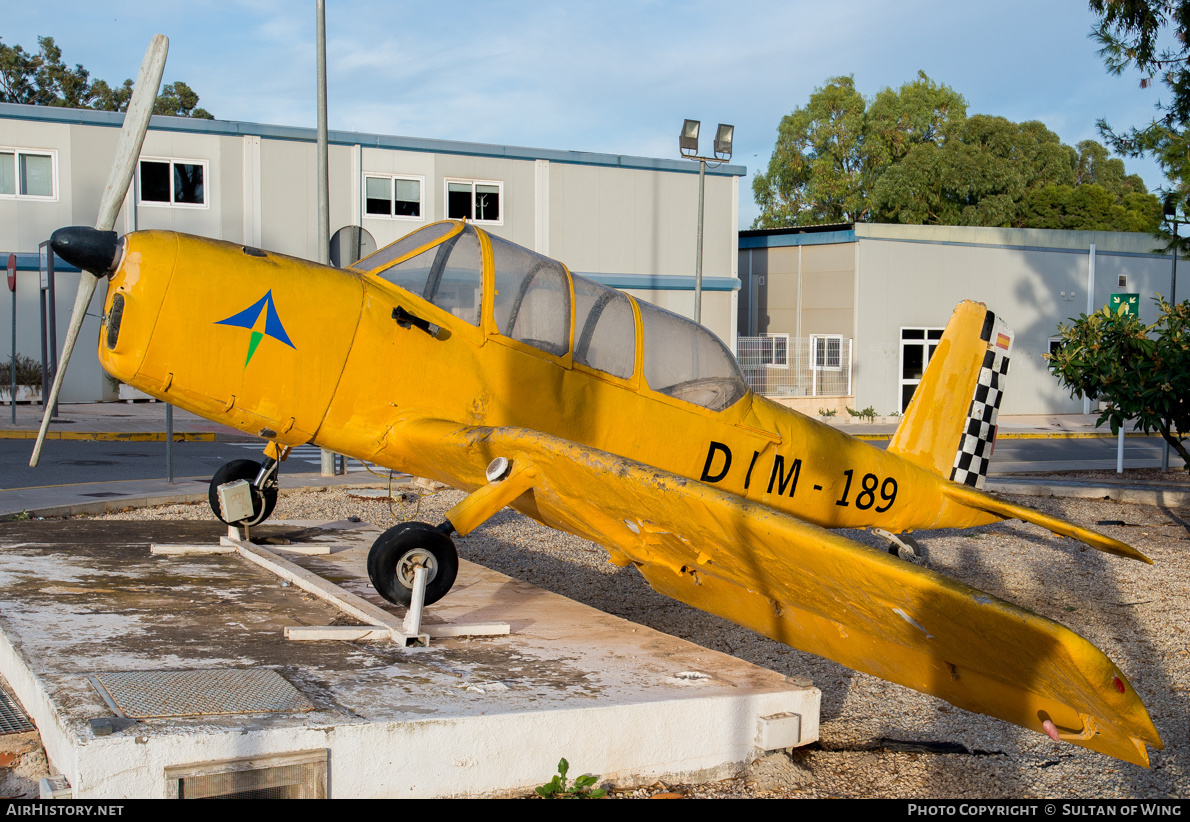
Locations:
(323, 175)
(1171, 214)
(688, 147)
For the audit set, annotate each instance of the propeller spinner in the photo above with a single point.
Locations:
(88, 248)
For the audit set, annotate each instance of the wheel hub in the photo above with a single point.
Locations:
(410, 561)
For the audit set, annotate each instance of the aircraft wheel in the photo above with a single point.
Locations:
(262, 503)
(907, 548)
(400, 549)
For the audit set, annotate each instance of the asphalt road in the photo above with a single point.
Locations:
(65, 462)
(1031, 455)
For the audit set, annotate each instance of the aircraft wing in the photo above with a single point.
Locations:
(808, 587)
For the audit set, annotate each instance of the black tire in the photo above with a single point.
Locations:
(909, 550)
(262, 504)
(389, 562)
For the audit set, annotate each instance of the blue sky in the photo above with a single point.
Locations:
(606, 76)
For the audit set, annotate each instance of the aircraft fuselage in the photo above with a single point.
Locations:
(296, 352)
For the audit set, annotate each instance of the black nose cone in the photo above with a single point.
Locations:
(88, 248)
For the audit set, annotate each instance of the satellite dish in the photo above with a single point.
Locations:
(350, 244)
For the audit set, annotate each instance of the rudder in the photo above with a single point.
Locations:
(950, 424)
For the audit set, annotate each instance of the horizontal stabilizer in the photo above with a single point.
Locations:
(980, 501)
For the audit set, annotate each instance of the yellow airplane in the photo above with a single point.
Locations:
(457, 355)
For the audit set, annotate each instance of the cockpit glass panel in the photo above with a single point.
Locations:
(605, 330)
(412, 274)
(686, 361)
(455, 283)
(450, 275)
(410, 242)
(532, 302)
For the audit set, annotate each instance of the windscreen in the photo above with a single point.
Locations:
(410, 242)
(686, 361)
(449, 275)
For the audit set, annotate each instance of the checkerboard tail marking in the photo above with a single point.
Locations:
(979, 436)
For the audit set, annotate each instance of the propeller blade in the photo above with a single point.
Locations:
(132, 136)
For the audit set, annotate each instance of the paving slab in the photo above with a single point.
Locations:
(463, 717)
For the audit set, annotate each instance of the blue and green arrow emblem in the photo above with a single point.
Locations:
(261, 319)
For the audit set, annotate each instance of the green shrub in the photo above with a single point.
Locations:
(28, 372)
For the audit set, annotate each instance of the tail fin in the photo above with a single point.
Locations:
(950, 425)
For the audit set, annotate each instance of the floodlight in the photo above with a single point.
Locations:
(723, 141)
(688, 141)
(1170, 206)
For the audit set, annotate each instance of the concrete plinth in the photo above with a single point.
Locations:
(464, 716)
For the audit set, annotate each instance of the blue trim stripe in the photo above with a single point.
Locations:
(1099, 252)
(649, 282)
(31, 261)
(785, 240)
(835, 237)
(232, 128)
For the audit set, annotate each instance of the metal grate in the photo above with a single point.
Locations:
(12, 718)
(150, 694)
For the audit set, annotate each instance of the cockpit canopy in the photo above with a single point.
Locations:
(531, 302)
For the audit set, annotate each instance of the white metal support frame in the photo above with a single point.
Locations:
(379, 623)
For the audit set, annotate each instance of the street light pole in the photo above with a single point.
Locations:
(323, 172)
(1172, 212)
(702, 171)
(688, 147)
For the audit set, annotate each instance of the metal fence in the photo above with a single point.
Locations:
(778, 365)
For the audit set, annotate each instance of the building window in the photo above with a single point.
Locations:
(774, 350)
(480, 201)
(392, 196)
(28, 173)
(917, 347)
(173, 182)
(1055, 345)
(828, 351)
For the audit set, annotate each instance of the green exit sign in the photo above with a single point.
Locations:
(1131, 303)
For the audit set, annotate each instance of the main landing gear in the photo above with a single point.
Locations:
(404, 550)
(401, 550)
(904, 547)
(261, 478)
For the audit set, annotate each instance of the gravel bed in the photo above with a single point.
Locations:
(879, 739)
